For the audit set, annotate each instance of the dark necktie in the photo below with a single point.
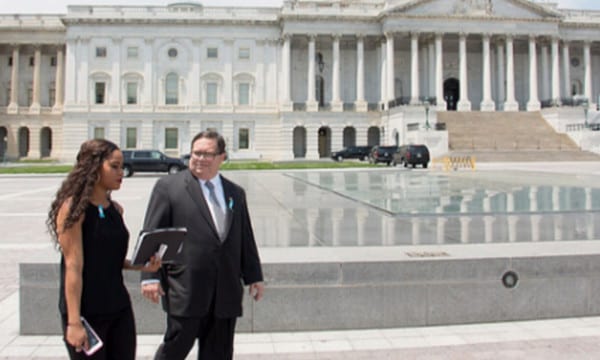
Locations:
(217, 210)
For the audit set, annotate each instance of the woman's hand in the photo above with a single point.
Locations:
(76, 336)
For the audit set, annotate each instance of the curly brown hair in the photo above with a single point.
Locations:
(79, 184)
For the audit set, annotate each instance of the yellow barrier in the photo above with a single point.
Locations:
(457, 162)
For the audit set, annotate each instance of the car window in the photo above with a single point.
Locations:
(141, 154)
(156, 155)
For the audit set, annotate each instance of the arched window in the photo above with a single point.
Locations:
(172, 89)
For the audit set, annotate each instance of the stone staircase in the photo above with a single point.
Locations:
(508, 136)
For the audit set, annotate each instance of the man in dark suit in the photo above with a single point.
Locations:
(202, 292)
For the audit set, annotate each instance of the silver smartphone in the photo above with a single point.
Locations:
(94, 341)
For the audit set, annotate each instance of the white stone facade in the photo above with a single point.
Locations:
(283, 83)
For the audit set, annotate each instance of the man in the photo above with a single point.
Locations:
(202, 292)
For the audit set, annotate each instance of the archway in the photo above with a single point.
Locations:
(23, 141)
(45, 142)
(451, 93)
(349, 136)
(373, 136)
(299, 142)
(324, 142)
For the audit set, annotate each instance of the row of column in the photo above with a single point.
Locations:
(13, 106)
(487, 104)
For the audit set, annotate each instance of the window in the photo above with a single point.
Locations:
(172, 53)
(131, 138)
(212, 53)
(171, 138)
(243, 138)
(171, 89)
(211, 93)
(31, 61)
(132, 93)
(29, 96)
(10, 61)
(132, 52)
(244, 54)
(101, 52)
(53, 61)
(98, 133)
(100, 92)
(244, 94)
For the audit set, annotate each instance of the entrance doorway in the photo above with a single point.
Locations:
(451, 93)
(324, 142)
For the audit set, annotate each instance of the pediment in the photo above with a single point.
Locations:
(518, 9)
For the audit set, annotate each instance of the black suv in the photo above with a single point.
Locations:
(412, 155)
(382, 154)
(149, 161)
(352, 152)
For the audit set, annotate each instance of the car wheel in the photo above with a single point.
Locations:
(387, 163)
(414, 165)
(174, 169)
(405, 163)
(363, 158)
(425, 166)
(340, 158)
(127, 172)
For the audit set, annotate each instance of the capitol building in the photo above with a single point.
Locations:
(292, 82)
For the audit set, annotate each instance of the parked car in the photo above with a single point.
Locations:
(382, 154)
(149, 161)
(412, 155)
(352, 152)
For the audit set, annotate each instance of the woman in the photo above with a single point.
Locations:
(88, 228)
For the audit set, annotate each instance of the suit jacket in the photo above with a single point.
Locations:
(208, 271)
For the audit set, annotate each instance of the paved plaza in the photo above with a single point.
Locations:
(304, 223)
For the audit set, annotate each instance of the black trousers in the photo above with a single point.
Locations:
(215, 338)
(117, 332)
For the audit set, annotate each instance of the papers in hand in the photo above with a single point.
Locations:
(167, 242)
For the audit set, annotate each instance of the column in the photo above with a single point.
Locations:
(194, 102)
(534, 103)
(500, 75)
(391, 76)
(414, 68)
(147, 93)
(83, 91)
(463, 104)
(115, 93)
(383, 75)
(487, 104)
(431, 68)
(566, 71)
(587, 79)
(555, 97)
(286, 100)
(13, 106)
(37, 61)
(312, 142)
(439, 73)
(360, 104)
(510, 104)
(311, 99)
(336, 102)
(546, 88)
(59, 81)
(228, 86)
(70, 73)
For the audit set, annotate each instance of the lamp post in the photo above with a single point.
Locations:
(427, 126)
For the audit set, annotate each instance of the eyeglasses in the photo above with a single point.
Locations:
(205, 155)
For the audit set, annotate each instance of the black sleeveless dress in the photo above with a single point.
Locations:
(105, 241)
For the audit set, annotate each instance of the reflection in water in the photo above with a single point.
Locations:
(420, 208)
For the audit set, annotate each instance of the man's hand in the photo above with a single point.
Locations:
(257, 290)
(152, 291)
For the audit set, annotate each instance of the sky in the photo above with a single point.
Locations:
(60, 6)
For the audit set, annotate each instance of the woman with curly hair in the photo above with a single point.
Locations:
(87, 226)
